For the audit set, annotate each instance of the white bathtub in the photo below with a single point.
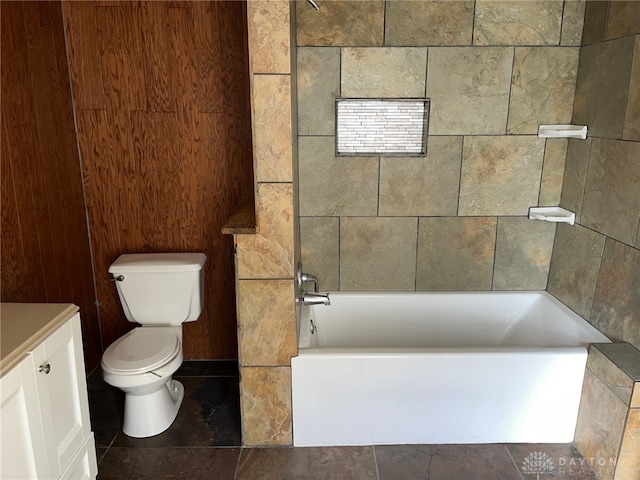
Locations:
(400, 368)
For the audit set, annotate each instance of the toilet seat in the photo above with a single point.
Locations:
(141, 350)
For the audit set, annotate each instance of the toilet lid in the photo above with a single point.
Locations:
(142, 349)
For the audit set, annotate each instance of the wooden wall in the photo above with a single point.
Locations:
(45, 244)
(161, 95)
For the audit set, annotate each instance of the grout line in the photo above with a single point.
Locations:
(235, 474)
(375, 461)
(562, 19)
(514, 462)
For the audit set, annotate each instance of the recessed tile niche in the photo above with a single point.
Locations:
(372, 127)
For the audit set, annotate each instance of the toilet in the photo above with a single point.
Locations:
(158, 291)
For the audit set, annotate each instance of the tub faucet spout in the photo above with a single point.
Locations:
(311, 298)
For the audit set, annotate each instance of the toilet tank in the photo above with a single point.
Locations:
(160, 288)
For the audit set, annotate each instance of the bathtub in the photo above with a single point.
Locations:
(402, 368)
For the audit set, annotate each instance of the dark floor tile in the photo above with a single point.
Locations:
(100, 453)
(559, 461)
(208, 368)
(209, 416)
(166, 463)
(106, 409)
(317, 463)
(403, 462)
(472, 462)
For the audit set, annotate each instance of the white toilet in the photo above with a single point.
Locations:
(159, 291)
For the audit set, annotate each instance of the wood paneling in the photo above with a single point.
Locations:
(45, 244)
(162, 104)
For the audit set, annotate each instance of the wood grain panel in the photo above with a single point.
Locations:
(82, 38)
(160, 175)
(222, 78)
(45, 244)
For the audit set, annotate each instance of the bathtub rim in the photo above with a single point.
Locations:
(305, 339)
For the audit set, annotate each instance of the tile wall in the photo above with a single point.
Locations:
(595, 266)
(608, 430)
(265, 260)
(455, 218)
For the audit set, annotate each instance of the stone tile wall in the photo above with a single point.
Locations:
(608, 430)
(455, 218)
(595, 266)
(265, 260)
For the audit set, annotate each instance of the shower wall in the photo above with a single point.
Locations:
(454, 219)
(595, 267)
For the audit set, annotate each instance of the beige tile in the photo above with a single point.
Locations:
(595, 21)
(635, 397)
(318, 87)
(624, 355)
(575, 176)
(422, 186)
(327, 183)
(455, 253)
(616, 304)
(377, 253)
(555, 153)
(574, 266)
(601, 89)
(623, 20)
(572, 23)
(272, 128)
(628, 467)
(340, 22)
(632, 115)
(500, 175)
(265, 399)
(612, 193)
(266, 322)
(269, 253)
(320, 249)
(269, 38)
(383, 72)
(543, 87)
(611, 375)
(523, 254)
(505, 22)
(428, 23)
(469, 90)
(356, 463)
(600, 425)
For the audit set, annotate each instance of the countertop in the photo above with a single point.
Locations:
(25, 325)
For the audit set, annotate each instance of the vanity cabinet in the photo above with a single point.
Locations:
(44, 410)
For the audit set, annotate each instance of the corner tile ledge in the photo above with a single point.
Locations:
(243, 219)
(624, 355)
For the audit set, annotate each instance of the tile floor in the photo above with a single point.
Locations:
(204, 443)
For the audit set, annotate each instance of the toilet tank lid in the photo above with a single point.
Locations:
(158, 262)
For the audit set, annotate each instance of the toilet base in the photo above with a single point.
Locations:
(153, 413)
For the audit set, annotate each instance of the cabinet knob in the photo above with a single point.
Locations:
(45, 368)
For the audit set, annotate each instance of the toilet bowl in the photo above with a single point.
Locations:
(141, 363)
(160, 292)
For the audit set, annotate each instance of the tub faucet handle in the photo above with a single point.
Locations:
(307, 278)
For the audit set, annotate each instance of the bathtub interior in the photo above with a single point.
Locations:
(419, 320)
(463, 367)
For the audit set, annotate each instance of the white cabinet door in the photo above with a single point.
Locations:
(62, 393)
(22, 441)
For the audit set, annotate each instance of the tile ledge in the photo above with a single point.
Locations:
(243, 218)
